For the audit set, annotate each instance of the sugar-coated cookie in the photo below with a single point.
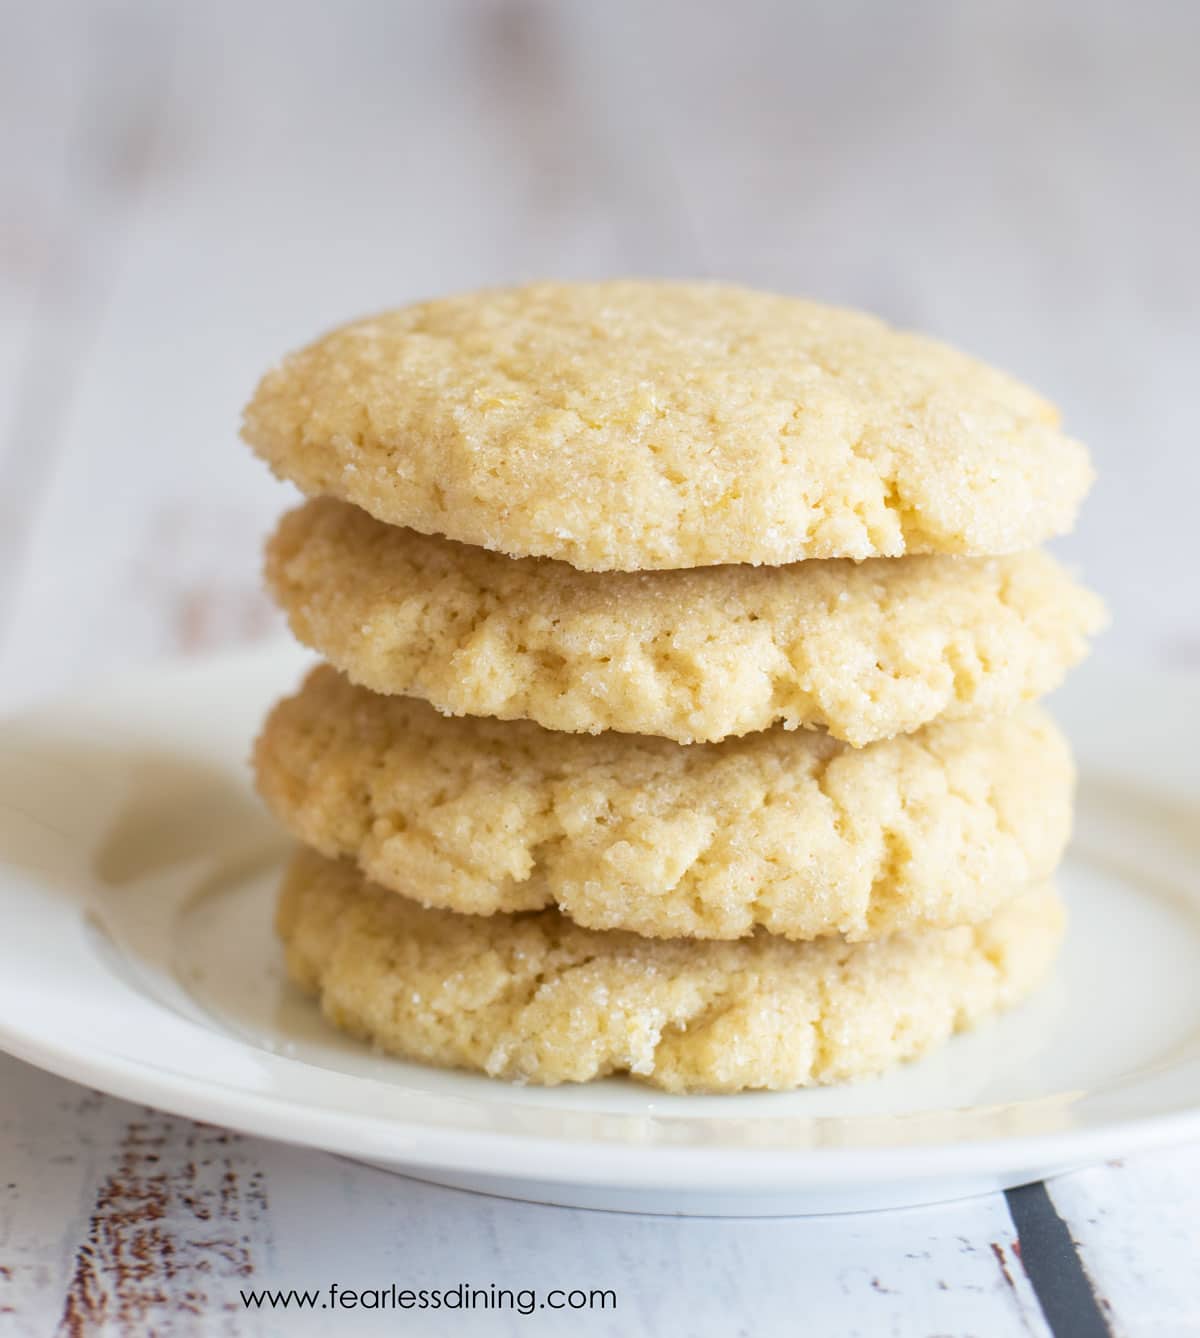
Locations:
(535, 998)
(792, 831)
(635, 425)
(863, 650)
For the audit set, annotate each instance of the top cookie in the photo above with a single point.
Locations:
(635, 425)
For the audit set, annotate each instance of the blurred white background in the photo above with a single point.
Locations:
(191, 190)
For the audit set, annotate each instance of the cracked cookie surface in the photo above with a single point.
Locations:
(633, 425)
(791, 831)
(865, 650)
(535, 998)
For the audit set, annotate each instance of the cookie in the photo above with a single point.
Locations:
(865, 650)
(535, 998)
(637, 425)
(792, 831)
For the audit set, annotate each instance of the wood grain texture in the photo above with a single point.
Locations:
(173, 1223)
(1137, 1225)
(162, 1223)
(191, 190)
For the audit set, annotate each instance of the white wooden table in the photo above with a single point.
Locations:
(188, 192)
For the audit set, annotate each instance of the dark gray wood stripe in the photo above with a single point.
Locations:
(1052, 1263)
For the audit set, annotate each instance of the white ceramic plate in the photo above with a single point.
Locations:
(136, 882)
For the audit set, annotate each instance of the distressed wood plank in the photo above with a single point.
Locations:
(155, 1223)
(60, 138)
(117, 1219)
(1137, 1227)
(266, 213)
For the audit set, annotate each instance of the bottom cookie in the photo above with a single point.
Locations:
(533, 997)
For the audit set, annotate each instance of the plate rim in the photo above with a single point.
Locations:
(580, 1160)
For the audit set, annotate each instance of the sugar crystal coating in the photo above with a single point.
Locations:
(535, 998)
(865, 650)
(633, 425)
(791, 831)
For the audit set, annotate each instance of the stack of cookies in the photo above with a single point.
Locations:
(676, 717)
